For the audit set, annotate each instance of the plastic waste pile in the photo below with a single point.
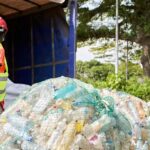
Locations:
(67, 114)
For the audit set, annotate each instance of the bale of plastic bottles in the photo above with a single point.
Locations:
(67, 114)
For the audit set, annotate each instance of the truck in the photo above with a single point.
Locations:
(41, 42)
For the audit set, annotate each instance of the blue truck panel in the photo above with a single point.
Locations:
(38, 47)
(42, 39)
(23, 76)
(43, 73)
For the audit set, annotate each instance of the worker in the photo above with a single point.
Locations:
(8, 90)
(3, 63)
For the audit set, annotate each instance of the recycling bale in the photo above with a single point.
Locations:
(67, 114)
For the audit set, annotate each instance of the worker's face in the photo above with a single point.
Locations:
(2, 35)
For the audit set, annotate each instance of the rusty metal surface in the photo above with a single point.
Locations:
(20, 7)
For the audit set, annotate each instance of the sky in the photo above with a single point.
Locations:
(84, 54)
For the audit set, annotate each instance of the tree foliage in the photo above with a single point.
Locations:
(134, 24)
(136, 14)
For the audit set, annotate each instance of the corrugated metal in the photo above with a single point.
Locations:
(13, 7)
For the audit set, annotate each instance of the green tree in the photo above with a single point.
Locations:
(134, 24)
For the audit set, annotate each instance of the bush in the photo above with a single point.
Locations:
(138, 88)
(102, 76)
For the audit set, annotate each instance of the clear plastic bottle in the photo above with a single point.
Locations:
(83, 113)
(56, 134)
(68, 136)
(133, 110)
(19, 122)
(139, 144)
(8, 144)
(137, 130)
(100, 125)
(126, 145)
(125, 141)
(109, 144)
(23, 135)
(57, 142)
(103, 139)
(66, 105)
(31, 146)
(141, 110)
(123, 108)
(45, 100)
(49, 122)
(52, 139)
(62, 93)
(105, 123)
(78, 92)
(85, 101)
(116, 139)
(147, 123)
(59, 82)
(123, 123)
(145, 146)
(80, 143)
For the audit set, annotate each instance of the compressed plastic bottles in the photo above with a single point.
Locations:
(78, 92)
(68, 136)
(116, 139)
(66, 105)
(100, 125)
(9, 129)
(139, 144)
(67, 114)
(19, 122)
(85, 101)
(47, 127)
(80, 143)
(97, 141)
(141, 110)
(109, 145)
(62, 93)
(133, 110)
(8, 144)
(83, 113)
(147, 123)
(56, 134)
(123, 123)
(102, 137)
(145, 146)
(31, 146)
(45, 99)
(3, 135)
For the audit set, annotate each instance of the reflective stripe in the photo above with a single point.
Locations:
(2, 91)
(3, 78)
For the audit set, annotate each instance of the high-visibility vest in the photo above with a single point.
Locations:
(3, 78)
